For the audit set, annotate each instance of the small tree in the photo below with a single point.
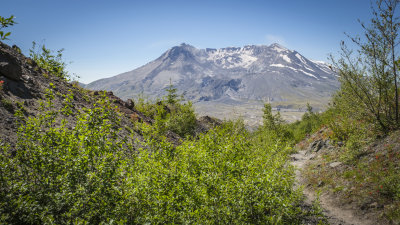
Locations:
(369, 76)
(172, 97)
(307, 119)
(274, 124)
(270, 121)
(6, 22)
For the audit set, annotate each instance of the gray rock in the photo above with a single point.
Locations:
(130, 104)
(312, 156)
(335, 164)
(9, 67)
(373, 205)
(316, 145)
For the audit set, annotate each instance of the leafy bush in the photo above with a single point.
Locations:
(275, 125)
(369, 76)
(87, 172)
(223, 177)
(308, 124)
(351, 125)
(8, 105)
(170, 114)
(182, 120)
(45, 59)
(62, 175)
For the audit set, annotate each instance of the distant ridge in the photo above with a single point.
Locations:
(232, 75)
(249, 72)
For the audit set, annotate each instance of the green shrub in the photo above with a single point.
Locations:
(369, 74)
(223, 177)
(275, 125)
(170, 114)
(87, 172)
(308, 124)
(53, 64)
(61, 175)
(146, 106)
(7, 104)
(182, 120)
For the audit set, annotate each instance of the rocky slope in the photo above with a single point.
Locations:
(350, 191)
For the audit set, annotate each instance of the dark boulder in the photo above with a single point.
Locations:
(9, 65)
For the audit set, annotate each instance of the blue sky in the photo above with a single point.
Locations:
(103, 38)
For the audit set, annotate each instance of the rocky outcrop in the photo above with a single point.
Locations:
(318, 142)
(317, 145)
(10, 64)
(205, 123)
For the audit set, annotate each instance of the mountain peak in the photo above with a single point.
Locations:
(277, 47)
(231, 74)
(185, 45)
(183, 51)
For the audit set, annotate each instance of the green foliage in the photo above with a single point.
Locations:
(52, 62)
(6, 22)
(351, 125)
(20, 107)
(223, 177)
(182, 120)
(369, 77)
(308, 124)
(7, 104)
(270, 121)
(172, 97)
(146, 106)
(275, 124)
(87, 172)
(170, 114)
(64, 175)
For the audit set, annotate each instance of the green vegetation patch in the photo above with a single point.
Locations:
(87, 172)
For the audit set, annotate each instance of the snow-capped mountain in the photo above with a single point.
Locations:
(230, 75)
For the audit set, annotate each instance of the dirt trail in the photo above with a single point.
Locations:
(334, 214)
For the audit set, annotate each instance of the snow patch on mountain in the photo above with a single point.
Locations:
(309, 69)
(229, 58)
(301, 58)
(286, 58)
(277, 65)
(279, 48)
(319, 62)
(326, 67)
(309, 74)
